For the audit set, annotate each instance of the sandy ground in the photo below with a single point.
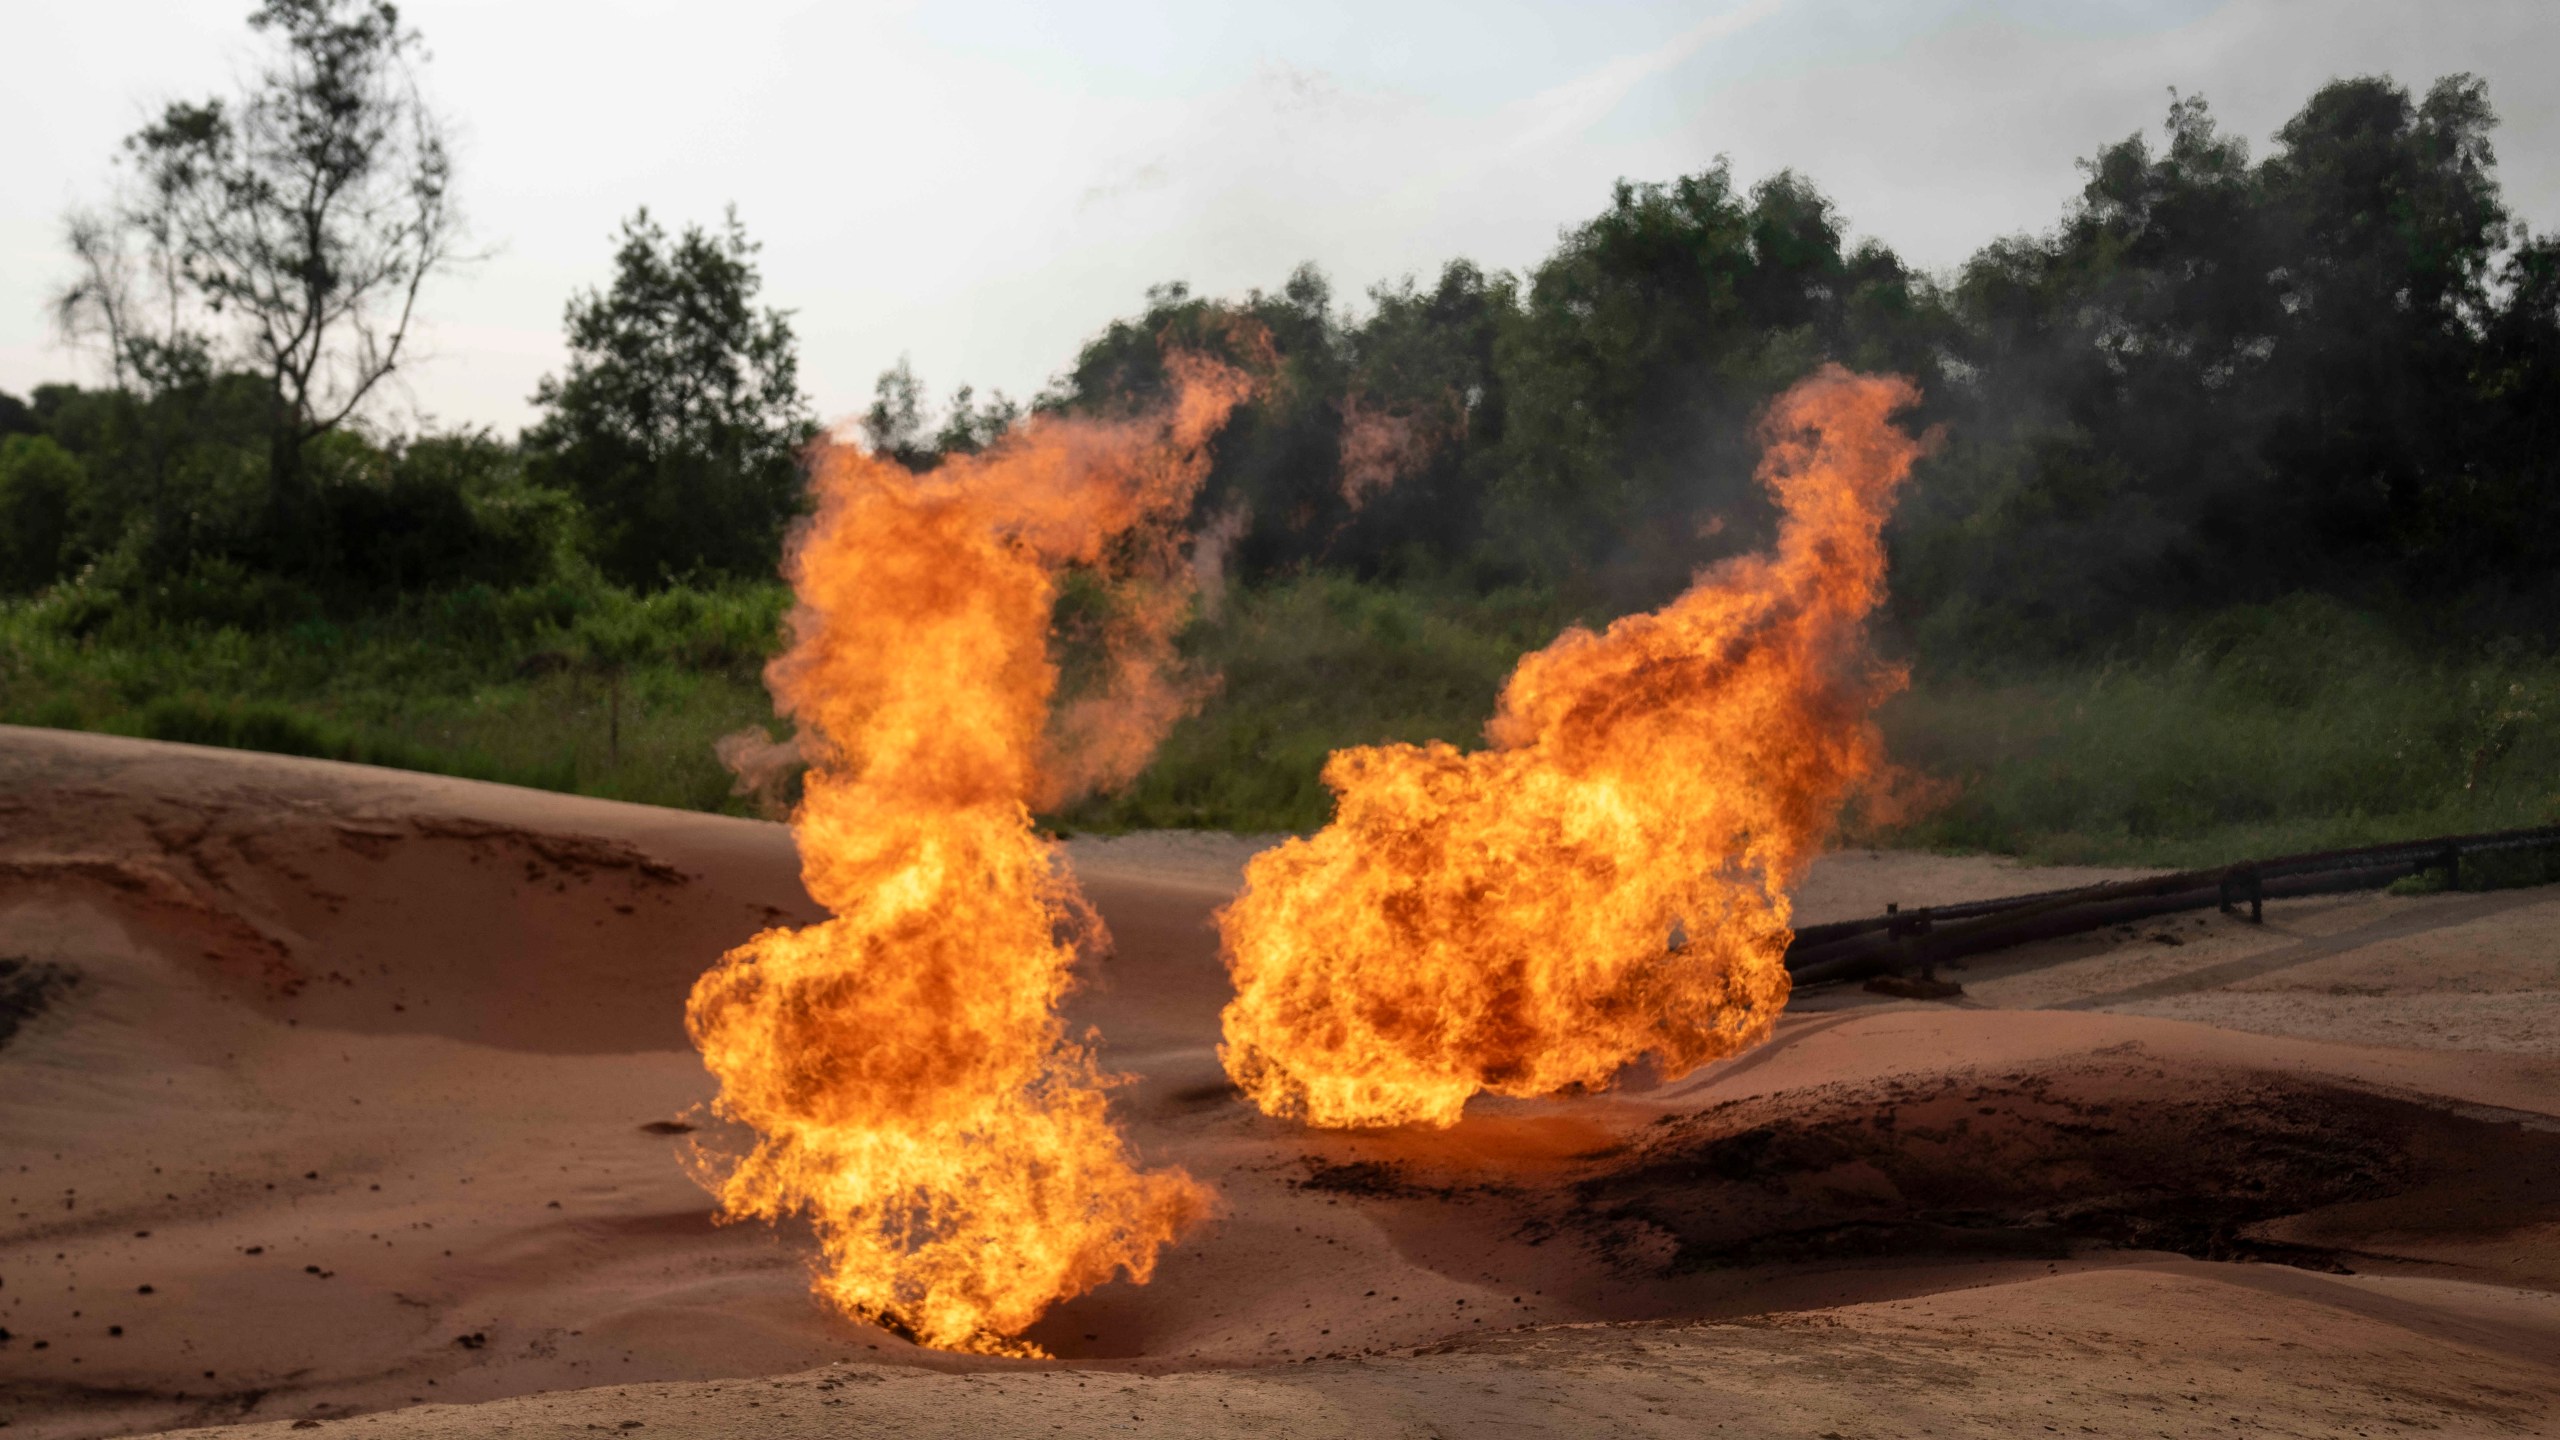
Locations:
(345, 1099)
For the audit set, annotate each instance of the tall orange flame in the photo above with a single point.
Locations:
(1609, 880)
(903, 1063)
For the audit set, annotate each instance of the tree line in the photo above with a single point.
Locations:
(2217, 379)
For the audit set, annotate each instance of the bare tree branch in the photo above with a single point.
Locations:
(288, 232)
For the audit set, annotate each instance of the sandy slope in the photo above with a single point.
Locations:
(336, 1092)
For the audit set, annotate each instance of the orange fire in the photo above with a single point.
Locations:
(903, 1063)
(1609, 880)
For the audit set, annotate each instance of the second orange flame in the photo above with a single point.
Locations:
(1609, 880)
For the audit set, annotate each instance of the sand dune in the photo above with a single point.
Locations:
(344, 1096)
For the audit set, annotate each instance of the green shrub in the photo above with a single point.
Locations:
(41, 486)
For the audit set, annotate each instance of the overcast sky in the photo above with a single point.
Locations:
(981, 186)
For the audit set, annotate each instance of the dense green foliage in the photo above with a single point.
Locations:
(2215, 382)
(2240, 534)
(2332, 371)
(164, 503)
(679, 423)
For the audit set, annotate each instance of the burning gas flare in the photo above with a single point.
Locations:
(1609, 880)
(903, 1063)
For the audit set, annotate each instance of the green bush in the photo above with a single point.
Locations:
(436, 512)
(41, 488)
(215, 591)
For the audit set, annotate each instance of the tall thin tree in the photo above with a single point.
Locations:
(287, 231)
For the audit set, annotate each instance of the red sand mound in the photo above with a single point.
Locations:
(328, 1091)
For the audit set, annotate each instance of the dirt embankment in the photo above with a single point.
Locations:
(336, 1096)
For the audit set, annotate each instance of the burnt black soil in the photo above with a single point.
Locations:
(27, 989)
(2033, 1164)
(1355, 1177)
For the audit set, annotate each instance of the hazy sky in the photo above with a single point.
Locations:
(981, 186)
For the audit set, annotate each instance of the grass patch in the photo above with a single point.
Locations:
(1311, 666)
(2258, 732)
(523, 687)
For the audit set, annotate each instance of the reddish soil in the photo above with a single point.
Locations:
(337, 1095)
